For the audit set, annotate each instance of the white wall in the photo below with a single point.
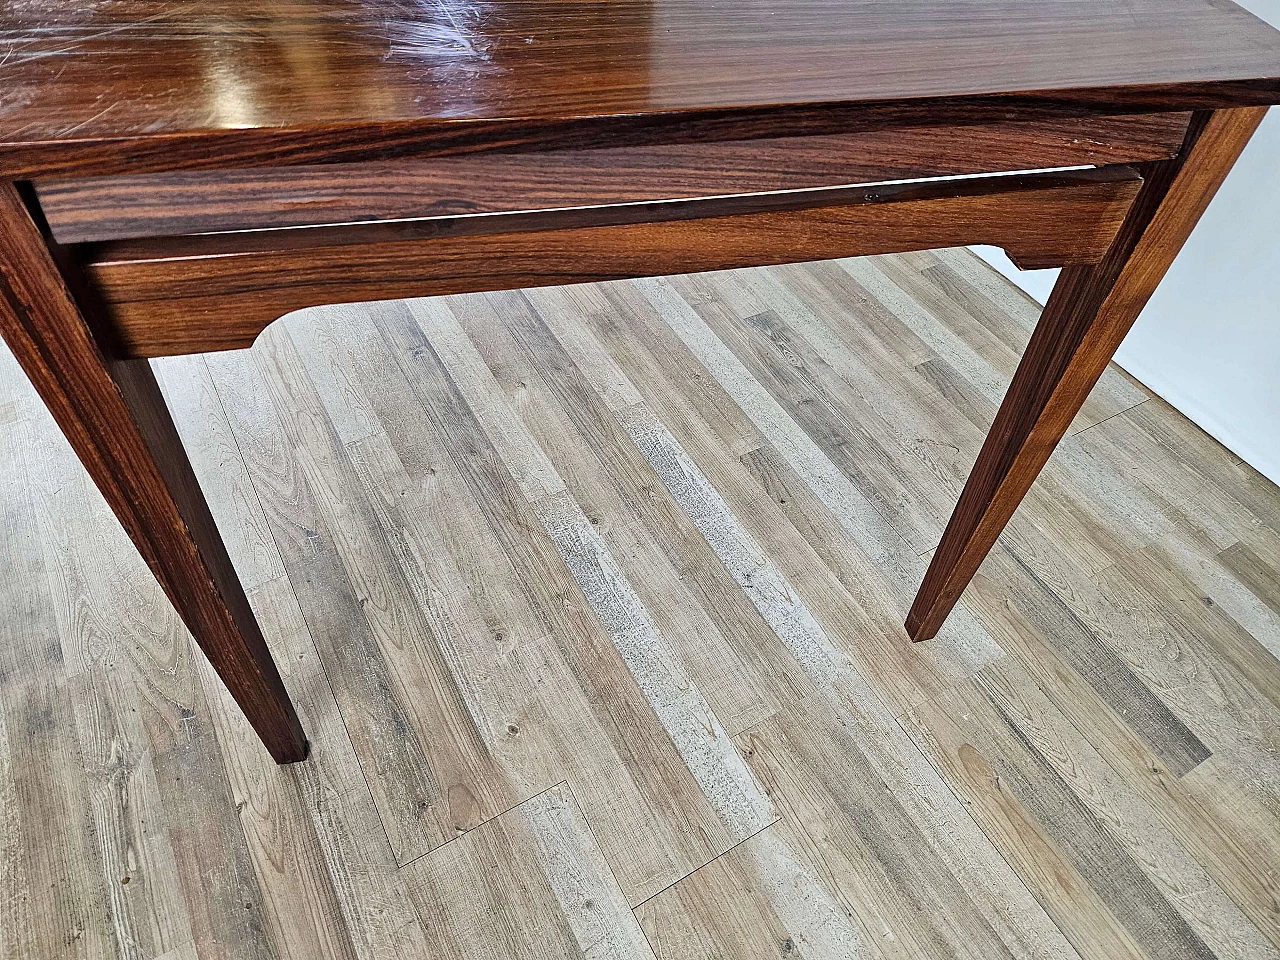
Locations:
(1209, 340)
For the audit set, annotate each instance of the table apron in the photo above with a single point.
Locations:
(195, 294)
(170, 204)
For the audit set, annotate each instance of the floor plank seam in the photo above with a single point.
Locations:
(595, 838)
(751, 836)
(1107, 419)
(458, 835)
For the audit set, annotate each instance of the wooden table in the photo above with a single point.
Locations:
(174, 177)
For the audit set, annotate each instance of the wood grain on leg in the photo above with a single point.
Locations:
(116, 419)
(1088, 314)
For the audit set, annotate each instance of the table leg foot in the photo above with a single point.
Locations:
(1089, 312)
(116, 419)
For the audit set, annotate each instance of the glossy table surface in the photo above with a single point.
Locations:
(128, 85)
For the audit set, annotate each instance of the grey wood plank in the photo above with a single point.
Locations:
(63, 900)
(1163, 855)
(957, 392)
(677, 702)
(1060, 847)
(1168, 737)
(148, 910)
(1214, 481)
(404, 787)
(165, 716)
(829, 669)
(645, 353)
(851, 342)
(861, 609)
(1255, 573)
(1139, 602)
(616, 490)
(1234, 712)
(854, 849)
(1202, 810)
(17, 397)
(959, 312)
(954, 336)
(595, 660)
(1219, 585)
(962, 640)
(1153, 502)
(214, 450)
(876, 593)
(453, 564)
(1160, 574)
(229, 916)
(775, 600)
(678, 307)
(823, 307)
(57, 899)
(99, 639)
(374, 907)
(430, 768)
(891, 823)
(841, 432)
(15, 912)
(611, 594)
(135, 649)
(303, 913)
(553, 723)
(594, 391)
(1009, 313)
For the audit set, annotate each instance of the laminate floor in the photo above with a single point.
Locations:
(590, 600)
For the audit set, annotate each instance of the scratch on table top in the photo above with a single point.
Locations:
(67, 37)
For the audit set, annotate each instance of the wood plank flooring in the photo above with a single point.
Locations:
(590, 600)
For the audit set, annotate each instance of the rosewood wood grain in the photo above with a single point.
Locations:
(140, 86)
(218, 292)
(171, 204)
(1087, 315)
(1020, 187)
(115, 417)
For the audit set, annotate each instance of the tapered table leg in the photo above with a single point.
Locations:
(1088, 314)
(116, 420)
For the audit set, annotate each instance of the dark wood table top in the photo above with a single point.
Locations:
(133, 85)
